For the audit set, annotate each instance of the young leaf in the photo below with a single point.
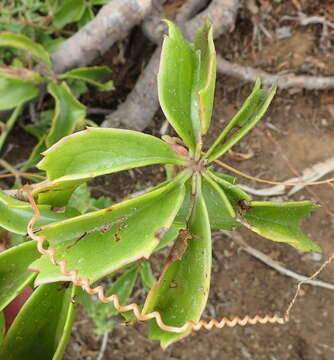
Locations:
(233, 192)
(175, 81)
(279, 222)
(15, 92)
(205, 87)
(14, 276)
(100, 312)
(94, 75)
(15, 215)
(103, 241)
(43, 326)
(247, 117)
(69, 12)
(221, 212)
(181, 293)
(24, 43)
(68, 112)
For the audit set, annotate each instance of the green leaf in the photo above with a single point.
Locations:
(231, 179)
(100, 242)
(96, 151)
(68, 112)
(83, 201)
(94, 75)
(100, 312)
(69, 12)
(147, 278)
(247, 117)
(42, 328)
(221, 212)
(279, 222)
(14, 276)
(175, 80)
(15, 215)
(181, 293)
(100, 2)
(206, 69)
(14, 92)
(86, 17)
(24, 43)
(170, 235)
(233, 192)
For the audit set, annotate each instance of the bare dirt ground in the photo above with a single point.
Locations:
(302, 126)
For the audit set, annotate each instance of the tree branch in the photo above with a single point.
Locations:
(112, 23)
(248, 73)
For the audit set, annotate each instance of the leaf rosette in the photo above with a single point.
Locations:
(181, 211)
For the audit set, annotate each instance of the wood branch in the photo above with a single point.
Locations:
(189, 9)
(310, 174)
(142, 103)
(274, 264)
(250, 74)
(112, 23)
(222, 14)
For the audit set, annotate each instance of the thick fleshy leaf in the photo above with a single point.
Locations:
(14, 92)
(43, 326)
(15, 214)
(94, 75)
(247, 117)
(279, 222)
(68, 112)
(24, 43)
(103, 241)
(206, 71)
(175, 83)
(220, 210)
(93, 152)
(98, 151)
(69, 12)
(14, 276)
(182, 290)
(100, 312)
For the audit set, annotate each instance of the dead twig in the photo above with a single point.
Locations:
(311, 174)
(250, 74)
(142, 103)
(112, 23)
(275, 265)
(103, 346)
(305, 20)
